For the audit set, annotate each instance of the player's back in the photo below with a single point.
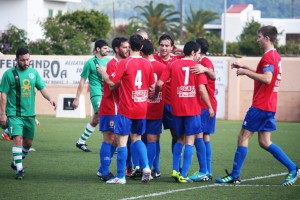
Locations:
(184, 88)
(136, 76)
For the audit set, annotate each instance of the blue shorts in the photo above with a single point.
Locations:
(208, 124)
(125, 126)
(187, 125)
(168, 117)
(258, 120)
(107, 123)
(154, 126)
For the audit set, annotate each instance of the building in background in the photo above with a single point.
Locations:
(27, 14)
(238, 15)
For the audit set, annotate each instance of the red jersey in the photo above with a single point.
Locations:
(265, 95)
(184, 87)
(167, 84)
(211, 86)
(156, 106)
(136, 76)
(108, 103)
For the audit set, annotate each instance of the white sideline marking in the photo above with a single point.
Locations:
(211, 185)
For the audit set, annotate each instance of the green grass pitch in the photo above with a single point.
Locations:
(58, 170)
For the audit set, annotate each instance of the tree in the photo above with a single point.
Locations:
(157, 20)
(94, 23)
(247, 40)
(73, 33)
(12, 39)
(195, 22)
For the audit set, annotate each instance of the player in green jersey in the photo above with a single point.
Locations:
(96, 89)
(17, 109)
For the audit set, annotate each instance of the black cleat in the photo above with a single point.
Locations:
(83, 147)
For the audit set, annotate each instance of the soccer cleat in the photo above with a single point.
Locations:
(116, 180)
(175, 175)
(146, 175)
(107, 177)
(291, 177)
(128, 171)
(99, 174)
(5, 136)
(83, 147)
(20, 174)
(155, 174)
(210, 177)
(136, 172)
(199, 176)
(228, 179)
(13, 166)
(181, 179)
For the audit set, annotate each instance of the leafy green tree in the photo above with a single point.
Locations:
(247, 40)
(12, 39)
(157, 20)
(196, 20)
(94, 23)
(73, 33)
(66, 39)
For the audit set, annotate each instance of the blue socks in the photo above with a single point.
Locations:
(279, 154)
(201, 154)
(151, 150)
(177, 156)
(141, 150)
(208, 156)
(156, 163)
(105, 158)
(187, 159)
(239, 158)
(121, 161)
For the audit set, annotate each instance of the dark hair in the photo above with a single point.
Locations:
(148, 48)
(100, 43)
(117, 41)
(189, 47)
(21, 51)
(166, 37)
(270, 31)
(203, 43)
(136, 42)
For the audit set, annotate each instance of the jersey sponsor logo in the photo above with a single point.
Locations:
(158, 99)
(26, 88)
(186, 91)
(140, 95)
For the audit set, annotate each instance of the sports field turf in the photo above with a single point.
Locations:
(58, 170)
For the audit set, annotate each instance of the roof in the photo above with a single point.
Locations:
(237, 8)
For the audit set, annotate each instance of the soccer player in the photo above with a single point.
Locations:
(108, 110)
(96, 86)
(154, 112)
(208, 124)
(134, 75)
(261, 115)
(165, 56)
(186, 89)
(18, 106)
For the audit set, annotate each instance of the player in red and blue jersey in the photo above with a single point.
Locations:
(108, 110)
(135, 76)
(186, 89)
(165, 56)
(202, 141)
(154, 112)
(261, 115)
